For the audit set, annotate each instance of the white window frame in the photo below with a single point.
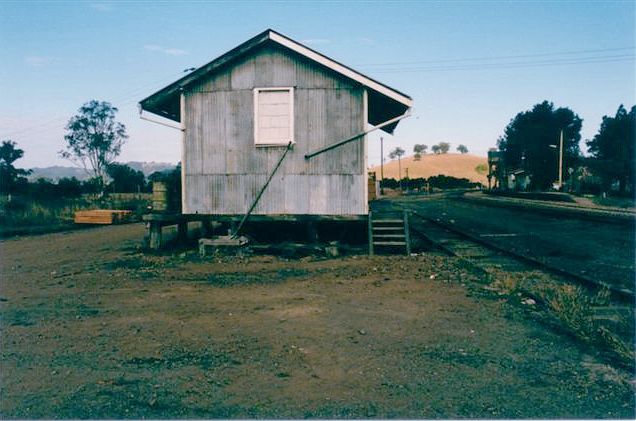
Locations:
(289, 89)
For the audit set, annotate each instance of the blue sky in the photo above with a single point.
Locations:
(469, 66)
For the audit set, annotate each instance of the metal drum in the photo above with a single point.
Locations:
(159, 196)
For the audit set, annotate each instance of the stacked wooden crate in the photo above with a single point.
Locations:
(103, 216)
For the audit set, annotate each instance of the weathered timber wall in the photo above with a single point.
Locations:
(223, 168)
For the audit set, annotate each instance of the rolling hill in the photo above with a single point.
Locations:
(56, 172)
(472, 167)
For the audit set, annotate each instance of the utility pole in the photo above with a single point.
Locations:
(400, 172)
(381, 166)
(407, 178)
(561, 160)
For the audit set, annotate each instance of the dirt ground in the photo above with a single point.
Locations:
(93, 328)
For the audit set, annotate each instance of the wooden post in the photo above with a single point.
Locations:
(407, 236)
(370, 234)
(182, 231)
(312, 233)
(233, 227)
(381, 166)
(206, 227)
(155, 235)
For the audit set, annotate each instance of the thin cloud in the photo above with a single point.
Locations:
(316, 41)
(38, 61)
(168, 51)
(101, 7)
(366, 41)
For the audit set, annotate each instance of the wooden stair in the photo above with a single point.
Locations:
(389, 231)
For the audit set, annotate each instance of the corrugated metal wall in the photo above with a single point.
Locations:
(224, 170)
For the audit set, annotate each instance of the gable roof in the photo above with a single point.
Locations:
(384, 102)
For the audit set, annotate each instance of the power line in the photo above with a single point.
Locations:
(462, 64)
(494, 58)
(512, 65)
(126, 98)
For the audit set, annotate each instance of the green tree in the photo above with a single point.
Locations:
(398, 153)
(612, 149)
(418, 151)
(444, 147)
(125, 179)
(11, 178)
(462, 149)
(94, 138)
(69, 187)
(530, 141)
(436, 149)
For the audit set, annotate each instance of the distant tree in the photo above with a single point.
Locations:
(436, 149)
(43, 188)
(398, 153)
(10, 176)
(531, 139)
(462, 149)
(125, 179)
(420, 148)
(69, 187)
(92, 186)
(612, 149)
(94, 138)
(418, 151)
(444, 147)
(449, 182)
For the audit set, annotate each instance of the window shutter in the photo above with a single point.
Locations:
(274, 116)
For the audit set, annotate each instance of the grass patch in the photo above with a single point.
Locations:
(20, 212)
(481, 169)
(23, 212)
(617, 202)
(576, 310)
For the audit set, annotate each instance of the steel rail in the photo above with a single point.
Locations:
(620, 293)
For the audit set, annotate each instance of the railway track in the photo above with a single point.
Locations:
(616, 315)
(606, 321)
(487, 255)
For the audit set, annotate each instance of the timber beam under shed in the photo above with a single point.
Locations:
(157, 221)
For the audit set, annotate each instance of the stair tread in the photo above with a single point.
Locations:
(389, 236)
(388, 228)
(389, 243)
(388, 221)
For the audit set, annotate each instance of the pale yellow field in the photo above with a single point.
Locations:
(451, 164)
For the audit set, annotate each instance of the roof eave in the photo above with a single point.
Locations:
(165, 99)
(175, 88)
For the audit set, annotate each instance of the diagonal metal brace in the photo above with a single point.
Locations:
(258, 197)
(359, 135)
